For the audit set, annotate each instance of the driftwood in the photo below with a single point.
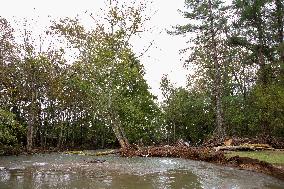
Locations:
(86, 153)
(234, 148)
(244, 147)
(103, 153)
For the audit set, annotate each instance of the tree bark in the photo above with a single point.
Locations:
(118, 130)
(220, 131)
(30, 134)
(280, 28)
(263, 72)
(32, 113)
(60, 140)
(280, 25)
(31, 122)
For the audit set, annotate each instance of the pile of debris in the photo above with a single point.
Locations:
(228, 145)
(193, 153)
(256, 143)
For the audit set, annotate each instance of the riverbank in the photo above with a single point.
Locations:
(208, 155)
(20, 150)
(11, 150)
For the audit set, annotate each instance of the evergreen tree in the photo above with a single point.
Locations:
(207, 21)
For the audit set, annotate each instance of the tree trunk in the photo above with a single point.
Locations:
(113, 117)
(41, 121)
(220, 131)
(60, 137)
(31, 119)
(43, 133)
(118, 130)
(280, 25)
(263, 73)
(30, 132)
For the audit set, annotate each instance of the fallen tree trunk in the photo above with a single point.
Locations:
(106, 152)
(244, 147)
(118, 130)
(234, 148)
(86, 153)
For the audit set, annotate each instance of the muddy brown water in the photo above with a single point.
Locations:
(63, 171)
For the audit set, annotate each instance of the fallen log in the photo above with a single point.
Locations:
(104, 153)
(244, 147)
(75, 152)
(86, 153)
(258, 146)
(234, 148)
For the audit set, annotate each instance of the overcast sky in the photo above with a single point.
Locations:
(162, 58)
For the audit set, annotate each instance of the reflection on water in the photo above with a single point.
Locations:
(74, 171)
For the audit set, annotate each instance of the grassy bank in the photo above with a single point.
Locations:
(273, 157)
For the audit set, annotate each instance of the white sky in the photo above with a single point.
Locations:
(162, 58)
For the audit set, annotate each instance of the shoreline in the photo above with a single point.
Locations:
(207, 155)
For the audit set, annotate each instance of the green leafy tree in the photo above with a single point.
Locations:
(259, 29)
(108, 71)
(188, 114)
(11, 132)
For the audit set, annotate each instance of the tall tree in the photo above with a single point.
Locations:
(259, 29)
(108, 63)
(207, 20)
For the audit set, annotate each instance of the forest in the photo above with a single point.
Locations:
(82, 88)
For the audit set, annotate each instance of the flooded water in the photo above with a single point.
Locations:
(73, 171)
